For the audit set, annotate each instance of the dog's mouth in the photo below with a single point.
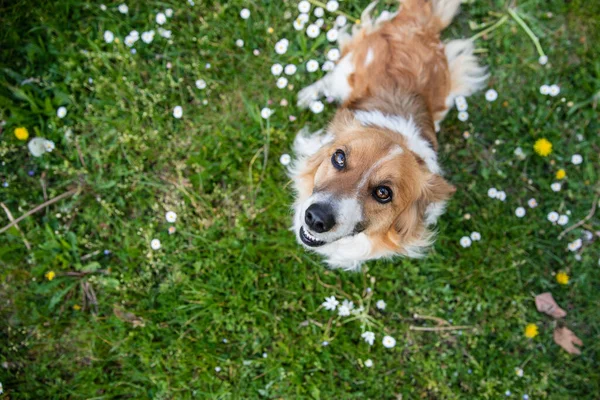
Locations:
(309, 239)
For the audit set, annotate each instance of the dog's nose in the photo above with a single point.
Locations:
(319, 217)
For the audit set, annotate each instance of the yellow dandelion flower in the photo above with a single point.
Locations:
(531, 331)
(76, 307)
(562, 278)
(50, 275)
(560, 174)
(543, 147)
(21, 133)
(270, 30)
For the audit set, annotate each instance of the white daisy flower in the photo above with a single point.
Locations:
(463, 116)
(217, 369)
(332, 35)
(319, 12)
(102, 7)
(61, 112)
(304, 6)
(491, 95)
(285, 159)
(281, 47)
(532, 203)
(575, 245)
(330, 303)
(563, 220)
(290, 69)
(545, 89)
(303, 17)
(245, 13)
(161, 18)
(108, 36)
(316, 107)
(123, 9)
(169, 12)
(298, 25)
(519, 153)
(520, 212)
(501, 195)
(554, 90)
(380, 304)
(332, 5)
(239, 43)
(130, 40)
(266, 112)
(276, 69)
(148, 37)
(333, 54)
(388, 342)
(312, 65)
(525, 397)
(164, 33)
(155, 244)
(368, 363)
(543, 60)
(341, 20)
(313, 31)
(343, 311)
(171, 216)
(576, 159)
(475, 236)
(519, 372)
(555, 187)
(207, 66)
(328, 66)
(369, 337)
(460, 100)
(37, 146)
(492, 192)
(49, 146)
(553, 216)
(320, 22)
(177, 112)
(465, 241)
(191, 3)
(462, 106)
(348, 303)
(282, 82)
(201, 84)
(507, 393)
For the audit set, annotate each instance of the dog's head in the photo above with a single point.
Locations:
(363, 193)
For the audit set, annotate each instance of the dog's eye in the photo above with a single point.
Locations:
(382, 194)
(338, 159)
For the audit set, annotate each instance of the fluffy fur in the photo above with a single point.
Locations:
(395, 81)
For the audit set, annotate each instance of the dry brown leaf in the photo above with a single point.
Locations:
(126, 316)
(545, 303)
(566, 339)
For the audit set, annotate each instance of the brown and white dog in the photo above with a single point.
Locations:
(369, 185)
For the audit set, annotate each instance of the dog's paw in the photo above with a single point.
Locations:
(308, 95)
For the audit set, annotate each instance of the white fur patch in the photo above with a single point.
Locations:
(466, 75)
(433, 212)
(334, 84)
(370, 57)
(406, 128)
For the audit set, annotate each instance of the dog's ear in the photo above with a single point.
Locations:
(435, 190)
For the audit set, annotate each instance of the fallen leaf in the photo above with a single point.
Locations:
(566, 339)
(126, 316)
(545, 303)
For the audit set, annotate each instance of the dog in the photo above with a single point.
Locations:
(370, 186)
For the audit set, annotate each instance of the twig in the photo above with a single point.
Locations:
(490, 29)
(11, 219)
(38, 208)
(440, 321)
(90, 255)
(79, 154)
(439, 328)
(527, 30)
(43, 183)
(583, 221)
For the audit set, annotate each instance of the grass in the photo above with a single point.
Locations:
(152, 324)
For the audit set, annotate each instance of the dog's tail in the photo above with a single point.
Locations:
(438, 13)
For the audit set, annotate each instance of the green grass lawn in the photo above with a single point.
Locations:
(230, 306)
